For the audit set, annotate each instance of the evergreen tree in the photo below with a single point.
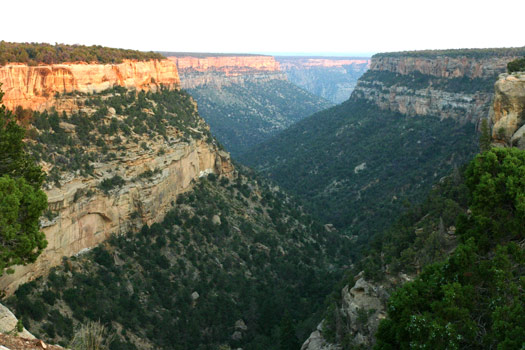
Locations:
(485, 137)
(288, 339)
(21, 199)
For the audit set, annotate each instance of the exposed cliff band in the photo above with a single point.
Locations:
(446, 86)
(173, 151)
(35, 87)
(226, 70)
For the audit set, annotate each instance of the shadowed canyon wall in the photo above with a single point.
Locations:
(447, 86)
(333, 78)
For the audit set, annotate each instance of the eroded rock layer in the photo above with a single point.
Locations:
(226, 70)
(82, 221)
(447, 86)
(35, 87)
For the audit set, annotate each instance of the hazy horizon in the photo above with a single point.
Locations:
(337, 28)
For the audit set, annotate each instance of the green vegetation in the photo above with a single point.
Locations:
(107, 185)
(22, 201)
(110, 123)
(476, 297)
(518, 65)
(244, 115)
(485, 137)
(41, 53)
(470, 53)
(247, 249)
(356, 166)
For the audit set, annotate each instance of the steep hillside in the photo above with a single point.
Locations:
(220, 271)
(245, 99)
(333, 78)
(114, 165)
(405, 126)
(152, 231)
(447, 273)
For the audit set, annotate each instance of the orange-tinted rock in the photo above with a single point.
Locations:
(306, 63)
(36, 87)
(230, 65)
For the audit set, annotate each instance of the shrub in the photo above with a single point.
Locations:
(91, 336)
(518, 65)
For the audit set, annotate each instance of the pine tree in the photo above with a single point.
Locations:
(21, 199)
(288, 340)
(485, 137)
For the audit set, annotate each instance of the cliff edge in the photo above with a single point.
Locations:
(37, 87)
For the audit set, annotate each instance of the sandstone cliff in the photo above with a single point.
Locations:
(443, 85)
(167, 149)
(333, 78)
(508, 113)
(225, 70)
(35, 87)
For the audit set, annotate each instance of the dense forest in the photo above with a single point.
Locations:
(357, 166)
(42, 53)
(226, 268)
(243, 115)
(475, 298)
(235, 263)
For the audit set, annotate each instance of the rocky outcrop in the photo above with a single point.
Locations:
(316, 341)
(508, 113)
(333, 78)
(444, 66)
(226, 70)
(36, 87)
(86, 216)
(444, 85)
(362, 307)
(8, 324)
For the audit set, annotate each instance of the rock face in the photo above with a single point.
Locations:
(447, 85)
(361, 309)
(225, 70)
(8, 323)
(36, 87)
(84, 221)
(508, 113)
(333, 78)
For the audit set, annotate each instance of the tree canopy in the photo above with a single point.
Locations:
(21, 199)
(475, 298)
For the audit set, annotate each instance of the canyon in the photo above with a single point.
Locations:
(333, 78)
(245, 98)
(39, 87)
(82, 215)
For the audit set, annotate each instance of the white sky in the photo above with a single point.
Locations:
(271, 26)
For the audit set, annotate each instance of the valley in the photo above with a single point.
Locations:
(245, 99)
(393, 219)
